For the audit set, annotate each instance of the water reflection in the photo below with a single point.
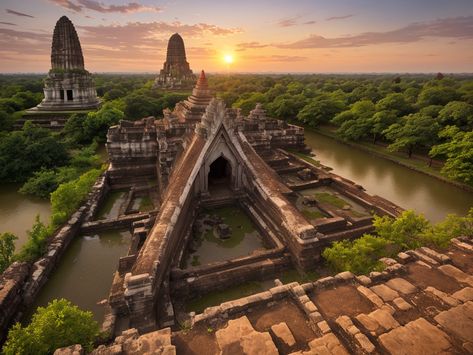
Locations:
(85, 273)
(405, 187)
(18, 212)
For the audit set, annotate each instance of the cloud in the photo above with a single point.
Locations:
(278, 58)
(293, 21)
(8, 23)
(457, 27)
(18, 13)
(79, 5)
(249, 45)
(334, 18)
(288, 21)
(70, 5)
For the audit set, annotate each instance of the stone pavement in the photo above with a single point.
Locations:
(421, 304)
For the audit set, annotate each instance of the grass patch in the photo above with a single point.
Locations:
(330, 199)
(305, 157)
(146, 204)
(238, 221)
(312, 214)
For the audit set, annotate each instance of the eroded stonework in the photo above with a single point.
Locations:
(176, 73)
(205, 155)
(68, 85)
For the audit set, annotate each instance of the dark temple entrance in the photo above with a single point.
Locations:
(220, 175)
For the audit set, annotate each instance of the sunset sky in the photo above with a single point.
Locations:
(262, 36)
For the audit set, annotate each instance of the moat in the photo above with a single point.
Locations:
(85, 273)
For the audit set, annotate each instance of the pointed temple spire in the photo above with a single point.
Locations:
(66, 52)
(192, 109)
(176, 72)
(202, 82)
(68, 85)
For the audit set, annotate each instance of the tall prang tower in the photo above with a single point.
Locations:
(68, 85)
(176, 73)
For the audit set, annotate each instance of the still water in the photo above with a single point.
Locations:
(406, 188)
(86, 270)
(18, 212)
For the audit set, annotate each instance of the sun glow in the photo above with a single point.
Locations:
(228, 58)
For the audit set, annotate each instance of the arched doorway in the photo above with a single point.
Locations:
(220, 175)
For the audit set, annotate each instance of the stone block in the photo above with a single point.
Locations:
(282, 334)
(345, 276)
(401, 304)
(416, 337)
(442, 296)
(315, 317)
(328, 344)
(385, 292)
(457, 274)
(384, 319)
(364, 280)
(298, 291)
(304, 299)
(365, 343)
(370, 295)
(240, 337)
(324, 327)
(464, 295)
(404, 258)
(458, 321)
(70, 350)
(402, 286)
(309, 307)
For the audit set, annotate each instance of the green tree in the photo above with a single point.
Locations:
(394, 102)
(413, 131)
(320, 109)
(36, 243)
(406, 231)
(381, 121)
(437, 95)
(359, 256)
(97, 123)
(7, 248)
(247, 104)
(458, 149)
(58, 325)
(32, 148)
(6, 121)
(457, 113)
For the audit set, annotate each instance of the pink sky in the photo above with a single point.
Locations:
(262, 36)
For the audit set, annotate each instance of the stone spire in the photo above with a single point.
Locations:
(66, 52)
(176, 72)
(192, 109)
(68, 86)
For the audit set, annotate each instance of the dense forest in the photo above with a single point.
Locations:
(416, 114)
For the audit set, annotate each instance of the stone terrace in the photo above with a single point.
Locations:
(421, 304)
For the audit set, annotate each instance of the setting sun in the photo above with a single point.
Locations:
(228, 58)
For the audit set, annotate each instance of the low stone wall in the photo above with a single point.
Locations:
(204, 282)
(21, 282)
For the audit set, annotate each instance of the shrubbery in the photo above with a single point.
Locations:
(64, 201)
(408, 231)
(68, 196)
(44, 182)
(7, 248)
(36, 244)
(58, 325)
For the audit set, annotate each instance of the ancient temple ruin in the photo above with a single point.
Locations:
(68, 85)
(205, 158)
(176, 73)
